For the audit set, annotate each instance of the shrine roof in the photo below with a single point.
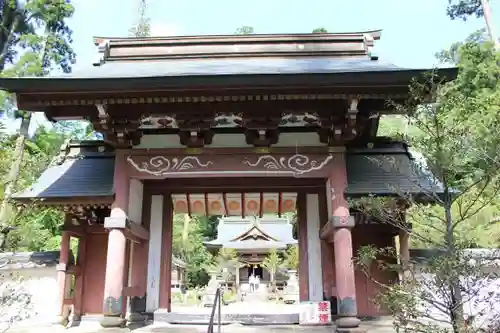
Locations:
(222, 61)
(233, 233)
(86, 169)
(253, 245)
(81, 171)
(28, 260)
(178, 262)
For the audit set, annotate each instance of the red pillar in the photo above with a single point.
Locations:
(79, 279)
(115, 278)
(343, 249)
(62, 278)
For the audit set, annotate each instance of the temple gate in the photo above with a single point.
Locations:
(214, 118)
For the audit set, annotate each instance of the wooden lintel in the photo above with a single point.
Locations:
(68, 301)
(95, 229)
(132, 291)
(133, 238)
(74, 270)
(75, 231)
(138, 231)
(326, 233)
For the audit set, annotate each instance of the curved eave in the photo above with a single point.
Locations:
(64, 201)
(430, 198)
(389, 80)
(212, 245)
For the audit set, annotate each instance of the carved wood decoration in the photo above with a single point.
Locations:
(338, 121)
(342, 127)
(261, 130)
(87, 214)
(195, 130)
(119, 130)
(292, 165)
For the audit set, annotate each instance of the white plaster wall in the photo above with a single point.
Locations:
(229, 141)
(154, 254)
(315, 273)
(135, 200)
(41, 284)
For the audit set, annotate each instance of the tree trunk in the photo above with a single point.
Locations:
(237, 278)
(15, 168)
(485, 4)
(456, 306)
(185, 234)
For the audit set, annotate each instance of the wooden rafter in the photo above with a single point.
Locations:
(261, 206)
(280, 199)
(188, 202)
(207, 210)
(224, 201)
(243, 212)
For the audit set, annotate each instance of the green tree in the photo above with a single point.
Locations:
(245, 30)
(457, 133)
(320, 31)
(37, 56)
(463, 9)
(272, 263)
(142, 28)
(292, 257)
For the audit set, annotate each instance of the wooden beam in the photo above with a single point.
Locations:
(243, 213)
(207, 211)
(74, 231)
(79, 278)
(188, 201)
(261, 206)
(96, 229)
(326, 232)
(138, 231)
(68, 301)
(75, 270)
(132, 291)
(224, 201)
(280, 206)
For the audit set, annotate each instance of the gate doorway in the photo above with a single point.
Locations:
(256, 271)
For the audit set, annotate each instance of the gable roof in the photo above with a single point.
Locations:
(254, 232)
(185, 62)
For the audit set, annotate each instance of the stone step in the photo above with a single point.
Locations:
(244, 319)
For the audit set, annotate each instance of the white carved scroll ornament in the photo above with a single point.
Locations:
(161, 165)
(299, 164)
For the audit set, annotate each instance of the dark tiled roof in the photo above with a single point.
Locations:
(387, 174)
(23, 260)
(489, 256)
(89, 175)
(178, 262)
(248, 66)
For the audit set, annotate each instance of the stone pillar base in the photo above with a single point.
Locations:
(348, 325)
(136, 318)
(350, 330)
(59, 320)
(112, 321)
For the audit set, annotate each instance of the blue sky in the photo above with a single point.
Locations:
(413, 30)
